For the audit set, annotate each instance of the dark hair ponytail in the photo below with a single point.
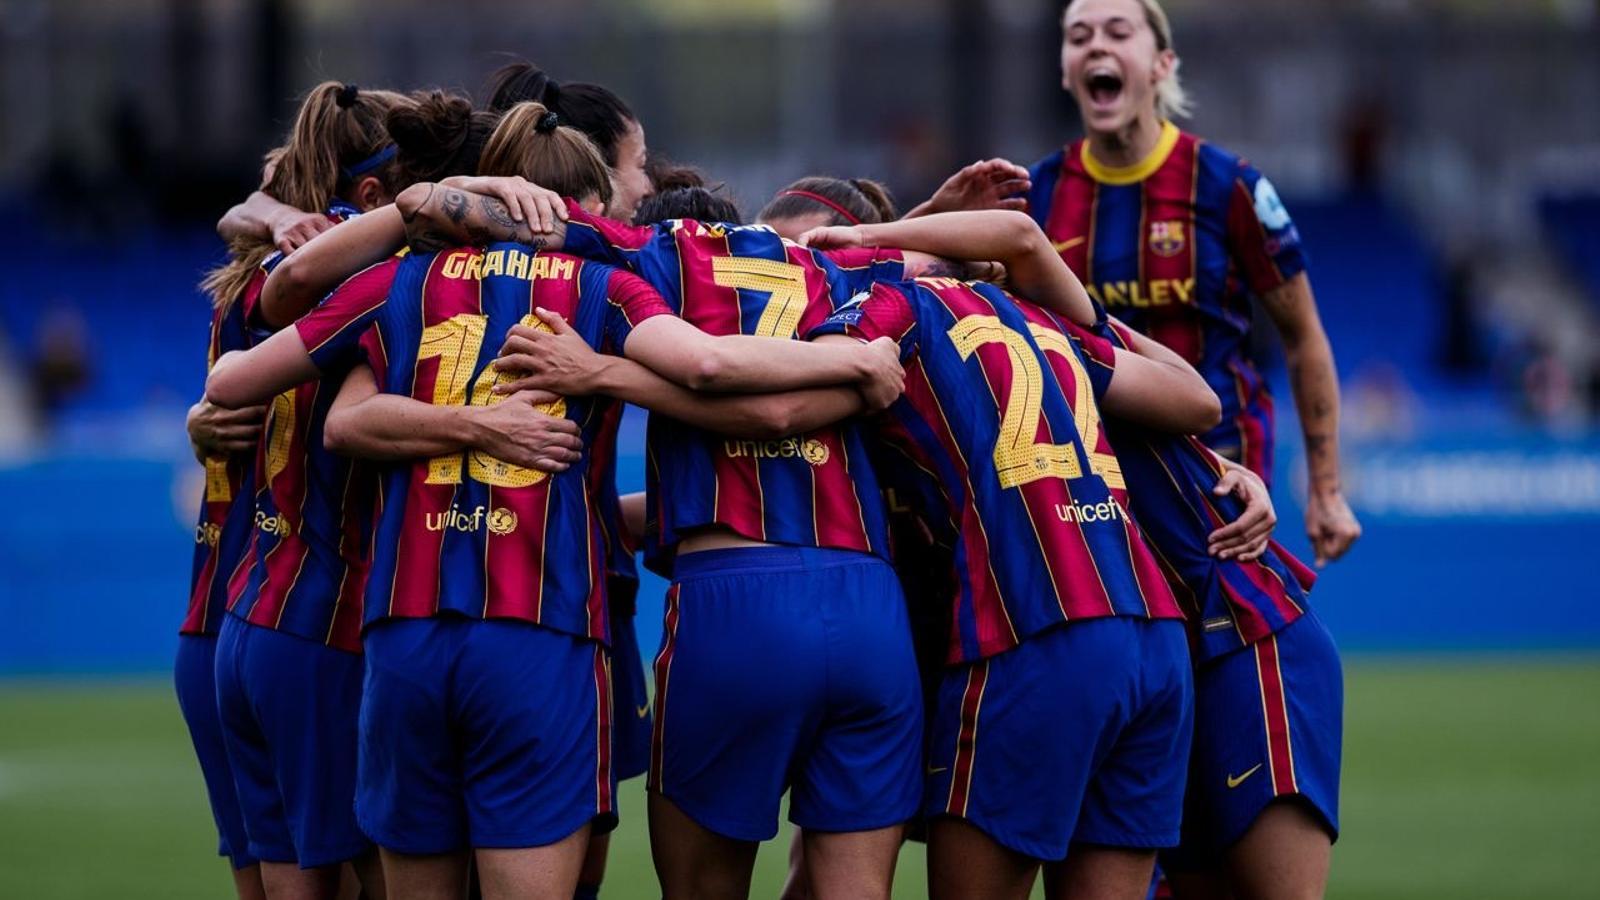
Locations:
(594, 110)
(686, 203)
(438, 135)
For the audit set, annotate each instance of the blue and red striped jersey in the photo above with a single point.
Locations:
(621, 544)
(313, 509)
(222, 536)
(815, 489)
(1229, 604)
(1000, 413)
(466, 533)
(1175, 245)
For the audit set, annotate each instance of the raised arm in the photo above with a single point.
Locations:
(475, 211)
(986, 184)
(366, 423)
(1330, 524)
(1033, 268)
(307, 275)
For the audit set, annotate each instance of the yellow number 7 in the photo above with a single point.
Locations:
(785, 283)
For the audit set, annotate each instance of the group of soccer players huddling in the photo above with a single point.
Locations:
(964, 512)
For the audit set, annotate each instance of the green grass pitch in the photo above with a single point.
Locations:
(1465, 777)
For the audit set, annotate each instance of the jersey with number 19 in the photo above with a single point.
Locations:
(487, 577)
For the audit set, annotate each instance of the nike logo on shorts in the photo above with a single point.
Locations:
(1235, 781)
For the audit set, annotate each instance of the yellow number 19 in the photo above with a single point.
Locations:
(456, 342)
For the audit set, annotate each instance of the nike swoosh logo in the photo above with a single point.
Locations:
(1235, 781)
(1068, 244)
(644, 710)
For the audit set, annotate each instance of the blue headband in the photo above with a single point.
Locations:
(368, 164)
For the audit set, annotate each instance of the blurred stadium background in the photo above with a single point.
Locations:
(1441, 158)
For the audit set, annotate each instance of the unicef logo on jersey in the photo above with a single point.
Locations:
(1270, 209)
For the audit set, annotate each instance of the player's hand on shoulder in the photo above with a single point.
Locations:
(1246, 537)
(833, 237)
(550, 357)
(519, 198)
(886, 378)
(1331, 525)
(518, 432)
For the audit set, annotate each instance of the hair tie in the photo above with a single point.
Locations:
(849, 216)
(547, 123)
(351, 173)
(346, 97)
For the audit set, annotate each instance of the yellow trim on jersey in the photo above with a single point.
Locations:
(1139, 171)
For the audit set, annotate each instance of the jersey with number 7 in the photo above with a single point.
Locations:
(1000, 411)
(468, 533)
(811, 490)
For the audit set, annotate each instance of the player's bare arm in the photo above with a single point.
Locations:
(263, 216)
(1033, 268)
(310, 273)
(1330, 524)
(476, 211)
(568, 366)
(685, 354)
(369, 424)
(1154, 387)
(251, 377)
(216, 431)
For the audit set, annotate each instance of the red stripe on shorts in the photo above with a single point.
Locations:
(663, 673)
(967, 739)
(1275, 712)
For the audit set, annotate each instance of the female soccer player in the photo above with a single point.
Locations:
(818, 200)
(288, 673)
(1174, 234)
(594, 110)
(522, 835)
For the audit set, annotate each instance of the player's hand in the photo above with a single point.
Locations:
(296, 229)
(1246, 537)
(553, 358)
(1330, 525)
(217, 431)
(516, 431)
(833, 237)
(986, 184)
(525, 201)
(885, 379)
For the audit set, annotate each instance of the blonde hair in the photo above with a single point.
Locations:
(1172, 100)
(530, 141)
(338, 125)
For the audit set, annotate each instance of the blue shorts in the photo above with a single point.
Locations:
(631, 735)
(483, 733)
(1268, 724)
(196, 676)
(787, 668)
(1079, 735)
(289, 708)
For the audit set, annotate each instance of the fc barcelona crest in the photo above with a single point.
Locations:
(1166, 238)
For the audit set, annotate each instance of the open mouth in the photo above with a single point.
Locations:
(1104, 87)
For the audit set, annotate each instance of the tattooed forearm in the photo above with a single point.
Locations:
(1312, 377)
(498, 213)
(408, 214)
(454, 205)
